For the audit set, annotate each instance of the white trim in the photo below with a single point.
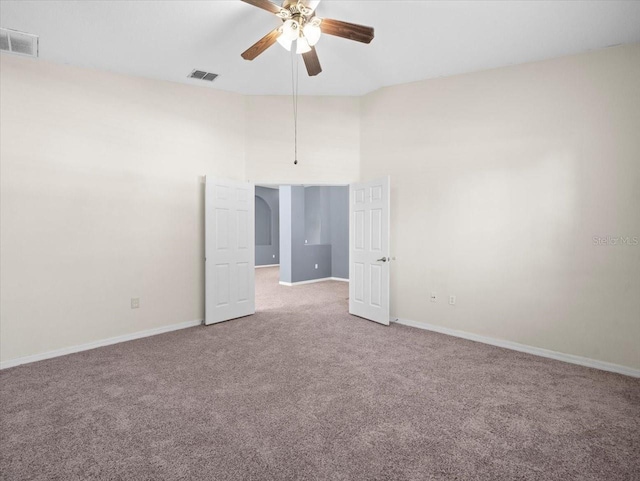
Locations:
(299, 283)
(537, 351)
(103, 342)
(312, 281)
(277, 185)
(268, 265)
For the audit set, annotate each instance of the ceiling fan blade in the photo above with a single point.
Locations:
(261, 45)
(311, 62)
(265, 5)
(352, 31)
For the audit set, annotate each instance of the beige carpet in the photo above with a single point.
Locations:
(302, 390)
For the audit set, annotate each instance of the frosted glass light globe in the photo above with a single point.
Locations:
(312, 33)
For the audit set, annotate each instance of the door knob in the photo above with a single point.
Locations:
(384, 259)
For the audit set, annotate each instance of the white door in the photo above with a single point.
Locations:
(369, 250)
(229, 250)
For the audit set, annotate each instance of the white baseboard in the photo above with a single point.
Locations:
(103, 342)
(537, 351)
(268, 265)
(312, 281)
(299, 283)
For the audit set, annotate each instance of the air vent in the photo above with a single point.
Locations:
(202, 75)
(19, 43)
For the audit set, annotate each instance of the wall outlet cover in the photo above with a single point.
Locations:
(135, 303)
(452, 300)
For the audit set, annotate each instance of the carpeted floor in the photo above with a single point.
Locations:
(302, 390)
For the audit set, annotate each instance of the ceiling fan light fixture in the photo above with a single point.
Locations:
(285, 42)
(304, 10)
(301, 24)
(312, 33)
(303, 45)
(290, 30)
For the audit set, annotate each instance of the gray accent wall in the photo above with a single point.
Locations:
(286, 236)
(263, 222)
(319, 216)
(267, 203)
(312, 215)
(339, 237)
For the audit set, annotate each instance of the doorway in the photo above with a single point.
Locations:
(320, 233)
(267, 226)
(308, 225)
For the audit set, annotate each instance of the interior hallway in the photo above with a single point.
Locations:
(302, 390)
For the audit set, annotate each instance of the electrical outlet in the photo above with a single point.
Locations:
(316, 266)
(274, 256)
(452, 300)
(433, 297)
(305, 241)
(135, 303)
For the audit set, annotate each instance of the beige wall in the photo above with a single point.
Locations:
(500, 181)
(328, 139)
(102, 194)
(102, 200)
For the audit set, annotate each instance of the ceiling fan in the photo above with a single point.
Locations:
(301, 25)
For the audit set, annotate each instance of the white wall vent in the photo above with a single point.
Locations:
(20, 43)
(202, 75)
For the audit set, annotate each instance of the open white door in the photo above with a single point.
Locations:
(229, 250)
(369, 250)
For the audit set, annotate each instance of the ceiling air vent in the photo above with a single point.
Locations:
(20, 43)
(202, 75)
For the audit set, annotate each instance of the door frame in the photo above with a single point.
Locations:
(273, 184)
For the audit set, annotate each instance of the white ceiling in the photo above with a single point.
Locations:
(414, 39)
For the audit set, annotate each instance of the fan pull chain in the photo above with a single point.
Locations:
(294, 88)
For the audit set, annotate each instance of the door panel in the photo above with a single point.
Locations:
(369, 250)
(229, 252)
